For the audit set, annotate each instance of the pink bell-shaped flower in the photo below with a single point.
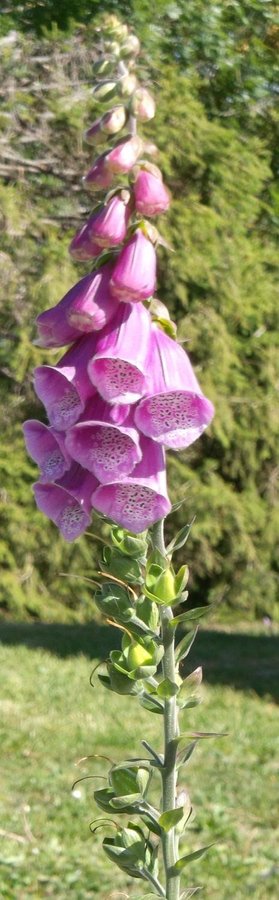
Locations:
(142, 498)
(47, 447)
(64, 389)
(99, 178)
(108, 226)
(118, 368)
(134, 273)
(101, 442)
(68, 504)
(176, 412)
(151, 195)
(123, 157)
(87, 307)
(82, 246)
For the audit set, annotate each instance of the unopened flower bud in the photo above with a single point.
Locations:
(99, 177)
(102, 66)
(151, 149)
(123, 157)
(143, 104)
(131, 46)
(113, 48)
(114, 120)
(105, 91)
(127, 85)
(151, 195)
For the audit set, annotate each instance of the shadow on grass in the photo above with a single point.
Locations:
(246, 662)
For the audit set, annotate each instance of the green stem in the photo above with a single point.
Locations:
(169, 770)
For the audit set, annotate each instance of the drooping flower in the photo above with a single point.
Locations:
(68, 503)
(123, 157)
(134, 273)
(82, 246)
(47, 447)
(119, 368)
(151, 195)
(64, 389)
(99, 177)
(110, 123)
(176, 412)
(108, 226)
(142, 498)
(143, 104)
(105, 440)
(88, 306)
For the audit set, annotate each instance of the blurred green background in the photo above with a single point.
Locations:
(213, 67)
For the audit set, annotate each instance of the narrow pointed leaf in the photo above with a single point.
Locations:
(185, 645)
(180, 538)
(184, 860)
(190, 615)
(151, 704)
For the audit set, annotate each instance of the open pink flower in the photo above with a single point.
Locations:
(68, 504)
(64, 389)
(176, 412)
(118, 368)
(87, 307)
(99, 177)
(142, 498)
(134, 273)
(108, 226)
(123, 157)
(102, 443)
(151, 195)
(47, 447)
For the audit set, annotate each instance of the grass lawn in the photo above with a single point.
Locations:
(50, 717)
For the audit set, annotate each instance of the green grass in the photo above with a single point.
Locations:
(50, 717)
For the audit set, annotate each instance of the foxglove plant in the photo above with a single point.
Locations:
(122, 393)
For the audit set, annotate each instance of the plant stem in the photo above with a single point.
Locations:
(169, 771)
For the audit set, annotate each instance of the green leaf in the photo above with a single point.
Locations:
(150, 703)
(190, 615)
(190, 703)
(189, 892)
(185, 645)
(170, 818)
(167, 689)
(184, 860)
(185, 753)
(180, 538)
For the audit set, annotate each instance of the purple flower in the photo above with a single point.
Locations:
(151, 195)
(82, 247)
(108, 226)
(64, 389)
(123, 157)
(87, 307)
(47, 447)
(102, 444)
(142, 498)
(99, 178)
(176, 412)
(134, 273)
(118, 368)
(68, 503)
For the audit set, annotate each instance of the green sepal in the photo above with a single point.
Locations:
(127, 800)
(126, 779)
(167, 689)
(184, 860)
(105, 798)
(148, 613)
(171, 818)
(151, 703)
(190, 703)
(131, 852)
(129, 544)
(185, 645)
(123, 567)
(119, 681)
(104, 91)
(190, 615)
(114, 600)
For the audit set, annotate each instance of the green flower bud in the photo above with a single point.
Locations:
(127, 85)
(105, 91)
(131, 46)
